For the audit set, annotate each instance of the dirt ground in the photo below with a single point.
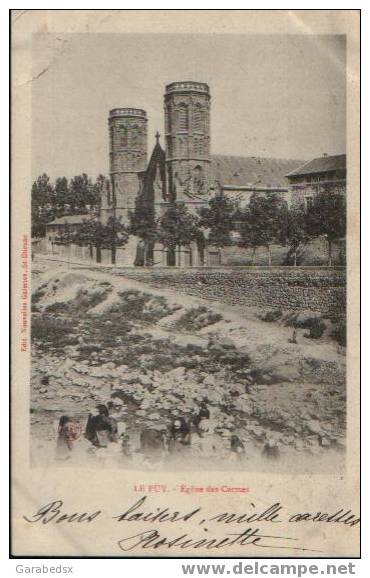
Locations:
(156, 354)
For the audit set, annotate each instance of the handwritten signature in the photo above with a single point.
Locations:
(200, 534)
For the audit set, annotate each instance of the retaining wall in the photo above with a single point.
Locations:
(316, 289)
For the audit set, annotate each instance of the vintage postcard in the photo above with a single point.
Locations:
(185, 255)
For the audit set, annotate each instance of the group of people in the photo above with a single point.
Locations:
(100, 430)
(155, 441)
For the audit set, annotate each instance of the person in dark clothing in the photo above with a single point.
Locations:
(101, 429)
(179, 434)
(202, 413)
(236, 445)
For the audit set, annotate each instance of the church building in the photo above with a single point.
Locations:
(183, 171)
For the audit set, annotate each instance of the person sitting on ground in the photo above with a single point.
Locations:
(237, 446)
(179, 433)
(125, 444)
(68, 432)
(101, 429)
(201, 414)
(271, 449)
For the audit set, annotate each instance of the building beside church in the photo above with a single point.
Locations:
(322, 174)
(184, 170)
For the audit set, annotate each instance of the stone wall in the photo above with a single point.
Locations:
(316, 289)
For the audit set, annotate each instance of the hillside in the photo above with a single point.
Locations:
(100, 337)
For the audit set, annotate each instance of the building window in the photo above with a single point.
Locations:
(309, 203)
(135, 136)
(169, 146)
(198, 179)
(183, 116)
(122, 135)
(168, 119)
(198, 119)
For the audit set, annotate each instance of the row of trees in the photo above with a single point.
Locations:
(94, 234)
(267, 220)
(50, 200)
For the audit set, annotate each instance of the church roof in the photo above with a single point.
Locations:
(256, 171)
(236, 171)
(322, 164)
(157, 157)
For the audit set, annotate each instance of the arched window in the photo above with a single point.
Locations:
(169, 119)
(122, 135)
(183, 116)
(169, 146)
(135, 136)
(198, 179)
(198, 124)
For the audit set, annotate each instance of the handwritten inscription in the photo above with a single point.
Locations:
(203, 530)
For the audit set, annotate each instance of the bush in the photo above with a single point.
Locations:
(58, 307)
(143, 307)
(57, 331)
(197, 318)
(300, 322)
(84, 300)
(317, 328)
(270, 316)
(340, 333)
(89, 348)
(37, 295)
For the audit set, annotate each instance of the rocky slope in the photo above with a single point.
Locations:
(97, 337)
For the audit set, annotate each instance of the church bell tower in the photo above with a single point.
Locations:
(128, 156)
(187, 132)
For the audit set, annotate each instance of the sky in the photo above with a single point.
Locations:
(280, 96)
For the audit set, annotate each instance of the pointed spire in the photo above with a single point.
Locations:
(157, 136)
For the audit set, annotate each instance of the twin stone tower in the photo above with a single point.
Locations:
(187, 149)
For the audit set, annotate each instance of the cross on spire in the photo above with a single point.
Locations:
(157, 136)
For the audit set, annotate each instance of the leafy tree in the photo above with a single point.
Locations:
(61, 195)
(42, 201)
(67, 235)
(80, 193)
(97, 191)
(178, 227)
(263, 222)
(296, 233)
(143, 225)
(78, 196)
(219, 218)
(327, 217)
(93, 233)
(114, 235)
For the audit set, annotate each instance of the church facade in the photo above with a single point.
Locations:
(184, 170)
